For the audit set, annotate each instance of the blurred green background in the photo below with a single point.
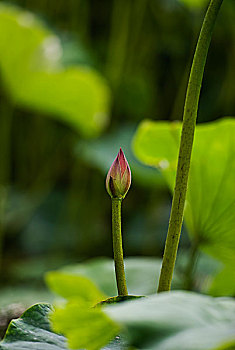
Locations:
(76, 78)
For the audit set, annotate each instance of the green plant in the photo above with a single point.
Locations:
(169, 321)
(178, 320)
(35, 77)
(186, 144)
(118, 182)
(209, 210)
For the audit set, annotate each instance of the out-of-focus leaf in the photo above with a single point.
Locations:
(156, 144)
(195, 3)
(142, 274)
(177, 321)
(85, 328)
(102, 151)
(69, 286)
(80, 320)
(30, 61)
(210, 204)
(203, 272)
(25, 295)
(223, 283)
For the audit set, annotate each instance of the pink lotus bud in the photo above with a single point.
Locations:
(118, 179)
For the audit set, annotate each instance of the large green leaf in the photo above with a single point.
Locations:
(31, 68)
(142, 275)
(33, 332)
(167, 321)
(177, 321)
(210, 204)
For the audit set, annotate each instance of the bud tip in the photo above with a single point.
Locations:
(118, 179)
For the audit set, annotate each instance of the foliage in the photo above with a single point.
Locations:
(38, 73)
(141, 274)
(150, 317)
(33, 331)
(69, 286)
(35, 77)
(176, 320)
(85, 328)
(43, 196)
(210, 206)
(194, 3)
(224, 282)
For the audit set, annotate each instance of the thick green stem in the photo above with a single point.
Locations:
(117, 247)
(186, 143)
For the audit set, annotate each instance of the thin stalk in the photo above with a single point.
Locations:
(3, 202)
(6, 115)
(186, 143)
(117, 247)
(189, 272)
(117, 48)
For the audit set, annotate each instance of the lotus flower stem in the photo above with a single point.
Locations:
(118, 182)
(186, 144)
(117, 247)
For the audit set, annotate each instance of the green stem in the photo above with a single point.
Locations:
(186, 143)
(6, 115)
(117, 247)
(189, 272)
(118, 42)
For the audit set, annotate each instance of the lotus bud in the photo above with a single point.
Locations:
(118, 179)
